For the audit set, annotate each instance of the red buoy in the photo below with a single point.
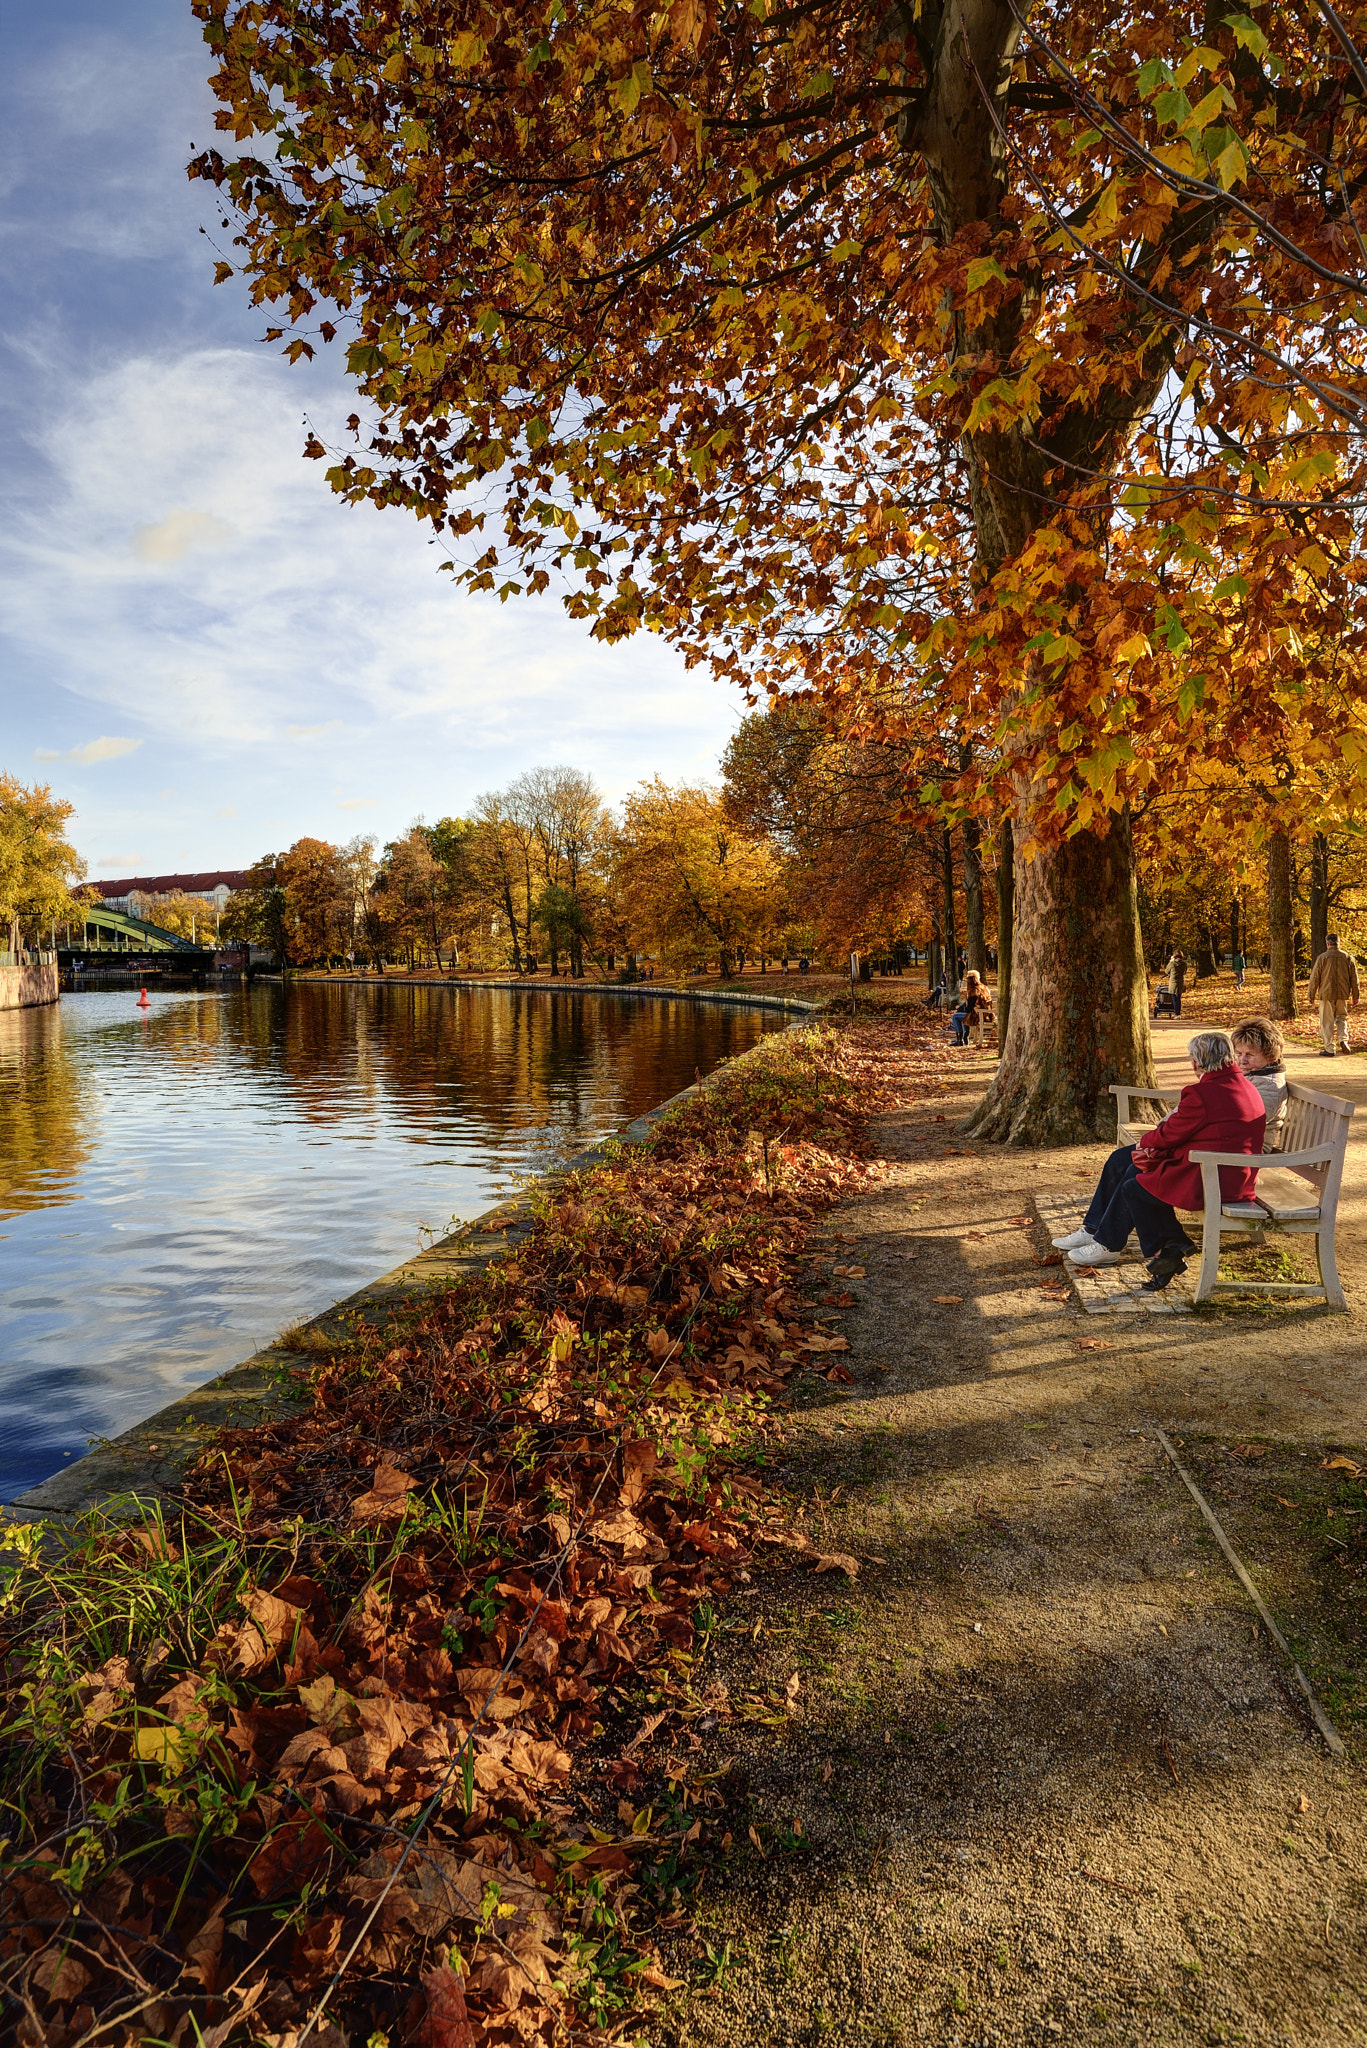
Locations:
(142, 1002)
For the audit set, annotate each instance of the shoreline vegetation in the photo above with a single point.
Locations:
(385, 1692)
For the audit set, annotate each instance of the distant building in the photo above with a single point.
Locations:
(217, 887)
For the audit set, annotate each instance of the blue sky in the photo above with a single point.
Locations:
(198, 645)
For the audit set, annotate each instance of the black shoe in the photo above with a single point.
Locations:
(1165, 1266)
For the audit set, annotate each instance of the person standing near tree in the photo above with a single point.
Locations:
(1177, 979)
(1334, 983)
(1240, 965)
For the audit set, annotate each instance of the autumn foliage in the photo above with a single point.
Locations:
(404, 1692)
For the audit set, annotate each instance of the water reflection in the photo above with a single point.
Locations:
(176, 1184)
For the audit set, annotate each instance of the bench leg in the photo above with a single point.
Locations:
(1210, 1257)
(1328, 1265)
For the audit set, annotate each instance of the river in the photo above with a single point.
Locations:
(177, 1184)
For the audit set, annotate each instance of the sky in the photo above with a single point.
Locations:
(200, 647)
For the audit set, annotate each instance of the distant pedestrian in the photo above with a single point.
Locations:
(1239, 965)
(1177, 980)
(1334, 983)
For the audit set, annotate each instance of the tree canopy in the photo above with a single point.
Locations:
(995, 371)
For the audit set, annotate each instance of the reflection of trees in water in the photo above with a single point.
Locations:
(47, 1111)
(528, 1071)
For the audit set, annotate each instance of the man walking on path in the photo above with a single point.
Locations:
(1334, 981)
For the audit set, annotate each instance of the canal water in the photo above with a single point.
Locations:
(179, 1183)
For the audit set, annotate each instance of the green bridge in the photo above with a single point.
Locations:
(112, 931)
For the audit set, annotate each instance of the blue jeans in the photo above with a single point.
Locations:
(958, 1024)
(1121, 1205)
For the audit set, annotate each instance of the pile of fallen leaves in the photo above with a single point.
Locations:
(383, 1732)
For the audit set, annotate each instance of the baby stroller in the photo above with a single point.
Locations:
(1162, 1002)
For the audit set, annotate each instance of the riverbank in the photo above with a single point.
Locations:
(760, 1590)
(448, 1584)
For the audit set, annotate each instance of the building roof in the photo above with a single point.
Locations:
(167, 885)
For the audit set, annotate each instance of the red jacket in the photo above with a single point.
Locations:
(1222, 1112)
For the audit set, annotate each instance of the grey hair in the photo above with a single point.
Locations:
(1210, 1050)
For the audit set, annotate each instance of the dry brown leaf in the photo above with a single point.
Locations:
(1339, 1465)
(837, 1561)
(62, 1977)
(389, 1488)
(949, 1300)
(204, 1948)
(1094, 1344)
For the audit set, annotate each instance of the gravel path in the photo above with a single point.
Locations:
(1046, 1779)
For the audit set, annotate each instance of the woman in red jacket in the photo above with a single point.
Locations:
(1142, 1186)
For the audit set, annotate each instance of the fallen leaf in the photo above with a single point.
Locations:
(1094, 1344)
(836, 1561)
(447, 2021)
(389, 1488)
(753, 1833)
(1048, 1258)
(203, 1950)
(62, 1977)
(1339, 1465)
(827, 1773)
(1304, 1806)
(949, 1300)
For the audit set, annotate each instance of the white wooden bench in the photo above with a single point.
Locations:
(1298, 1190)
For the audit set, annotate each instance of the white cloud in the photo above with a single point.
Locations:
(358, 803)
(309, 732)
(46, 754)
(104, 749)
(179, 533)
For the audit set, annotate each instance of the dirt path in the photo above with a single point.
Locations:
(1046, 1779)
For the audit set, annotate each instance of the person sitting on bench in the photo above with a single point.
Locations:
(974, 1004)
(1142, 1186)
(1258, 1047)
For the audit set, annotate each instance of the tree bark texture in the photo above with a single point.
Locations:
(1319, 894)
(1006, 922)
(975, 945)
(1281, 943)
(951, 937)
(1234, 926)
(1079, 998)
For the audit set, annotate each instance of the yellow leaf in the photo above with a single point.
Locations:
(1314, 561)
(1136, 648)
(170, 1747)
(1231, 165)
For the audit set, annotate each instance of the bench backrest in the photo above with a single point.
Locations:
(1312, 1120)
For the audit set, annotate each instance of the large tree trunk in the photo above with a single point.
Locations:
(1319, 894)
(975, 944)
(1234, 927)
(1279, 918)
(1079, 1000)
(1006, 922)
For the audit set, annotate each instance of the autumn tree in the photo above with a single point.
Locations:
(991, 358)
(39, 867)
(695, 882)
(189, 917)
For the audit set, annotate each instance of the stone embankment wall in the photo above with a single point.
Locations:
(24, 988)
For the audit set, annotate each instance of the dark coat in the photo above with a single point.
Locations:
(1222, 1112)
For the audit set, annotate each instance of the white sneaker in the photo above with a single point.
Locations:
(1096, 1255)
(1073, 1242)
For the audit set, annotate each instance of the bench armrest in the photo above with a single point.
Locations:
(1154, 1094)
(1316, 1157)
